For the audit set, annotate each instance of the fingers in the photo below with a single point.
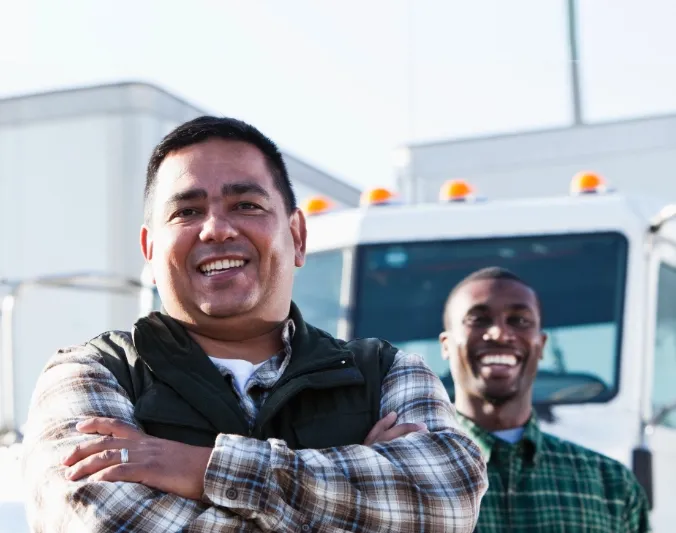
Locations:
(103, 454)
(108, 426)
(93, 447)
(381, 426)
(403, 429)
(384, 431)
(126, 472)
(96, 463)
(386, 422)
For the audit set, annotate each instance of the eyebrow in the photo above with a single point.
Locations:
(184, 196)
(229, 189)
(485, 308)
(240, 189)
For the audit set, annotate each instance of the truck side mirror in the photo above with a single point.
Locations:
(642, 466)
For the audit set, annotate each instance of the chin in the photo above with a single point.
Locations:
(220, 310)
(497, 399)
(497, 396)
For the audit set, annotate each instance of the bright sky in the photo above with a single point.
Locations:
(342, 83)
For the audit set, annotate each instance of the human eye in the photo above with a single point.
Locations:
(521, 321)
(185, 212)
(248, 206)
(477, 321)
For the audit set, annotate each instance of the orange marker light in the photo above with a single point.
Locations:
(455, 190)
(587, 182)
(316, 205)
(376, 196)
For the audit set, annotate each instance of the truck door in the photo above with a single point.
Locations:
(662, 385)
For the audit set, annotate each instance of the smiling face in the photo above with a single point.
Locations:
(220, 241)
(494, 340)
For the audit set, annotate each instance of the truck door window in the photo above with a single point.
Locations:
(664, 374)
(316, 289)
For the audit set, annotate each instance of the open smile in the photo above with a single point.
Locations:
(220, 266)
(499, 359)
(498, 364)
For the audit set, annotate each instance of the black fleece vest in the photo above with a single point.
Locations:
(329, 395)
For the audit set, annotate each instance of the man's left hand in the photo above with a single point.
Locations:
(169, 466)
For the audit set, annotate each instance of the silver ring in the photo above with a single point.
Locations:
(124, 455)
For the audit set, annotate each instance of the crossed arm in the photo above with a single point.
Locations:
(431, 481)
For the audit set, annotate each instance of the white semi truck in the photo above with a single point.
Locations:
(603, 263)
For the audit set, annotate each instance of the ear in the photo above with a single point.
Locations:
(446, 345)
(147, 245)
(299, 235)
(543, 342)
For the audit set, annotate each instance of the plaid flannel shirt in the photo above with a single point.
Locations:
(430, 482)
(543, 484)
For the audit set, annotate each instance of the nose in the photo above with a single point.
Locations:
(217, 228)
(501, 333)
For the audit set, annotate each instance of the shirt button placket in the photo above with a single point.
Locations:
(513, 478)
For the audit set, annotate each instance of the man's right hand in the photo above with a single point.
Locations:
(384, 431)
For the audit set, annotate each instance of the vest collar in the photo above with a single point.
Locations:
(164, 345)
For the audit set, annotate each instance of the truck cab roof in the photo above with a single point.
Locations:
(495, 218)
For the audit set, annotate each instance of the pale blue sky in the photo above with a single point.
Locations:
(331, 81)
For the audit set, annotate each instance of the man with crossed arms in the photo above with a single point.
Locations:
(227, 411)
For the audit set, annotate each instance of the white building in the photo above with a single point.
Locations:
(72, 170)
(635, 156)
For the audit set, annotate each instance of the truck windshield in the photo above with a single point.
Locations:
(400, 291)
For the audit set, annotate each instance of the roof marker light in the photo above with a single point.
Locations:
(377, 196)
(587, 183)
(456, 191)
(315, 205)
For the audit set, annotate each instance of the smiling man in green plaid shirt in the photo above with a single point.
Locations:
(537, 483)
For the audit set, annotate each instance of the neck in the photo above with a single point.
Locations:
(491, 417)
(253, 344)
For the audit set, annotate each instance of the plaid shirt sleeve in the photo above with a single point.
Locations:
(422, 482)
(75, 386)
(636, 508)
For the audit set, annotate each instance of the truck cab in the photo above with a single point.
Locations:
(603, 264)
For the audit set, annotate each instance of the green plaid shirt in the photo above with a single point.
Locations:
(542, 484)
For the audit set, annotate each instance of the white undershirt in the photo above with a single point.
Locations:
(510, 435)
(241, 370)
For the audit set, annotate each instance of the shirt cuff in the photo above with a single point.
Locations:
(238, 474)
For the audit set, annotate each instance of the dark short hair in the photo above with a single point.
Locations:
(488, 273)
(208, 127)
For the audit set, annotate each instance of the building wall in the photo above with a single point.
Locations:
(635, 156)
(49, 173)
(309, 181)
(74, 189)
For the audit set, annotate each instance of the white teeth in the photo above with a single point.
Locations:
(221, 264)
(499, 359)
